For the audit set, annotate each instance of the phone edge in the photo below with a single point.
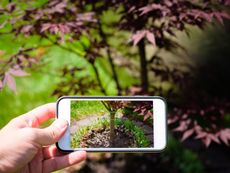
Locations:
(111, 97)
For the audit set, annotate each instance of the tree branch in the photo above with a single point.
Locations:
(112, 65)
(106, 106)
(93, 65)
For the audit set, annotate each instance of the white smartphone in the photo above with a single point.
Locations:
(113, 124)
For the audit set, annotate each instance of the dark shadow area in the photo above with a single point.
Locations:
(212, 73)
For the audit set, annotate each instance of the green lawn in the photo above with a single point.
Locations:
(81, 109)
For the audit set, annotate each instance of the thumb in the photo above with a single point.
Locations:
(51, 134)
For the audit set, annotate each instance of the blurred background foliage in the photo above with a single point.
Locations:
(81, 65)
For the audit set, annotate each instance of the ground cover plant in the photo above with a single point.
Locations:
(100, 126)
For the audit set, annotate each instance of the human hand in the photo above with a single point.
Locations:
(24, 147)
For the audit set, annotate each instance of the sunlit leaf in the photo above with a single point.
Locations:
(9, 80)
(187, 134)
(151, 38)
(136, 38)
(18, 72)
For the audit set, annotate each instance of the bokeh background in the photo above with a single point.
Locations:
(179, 50)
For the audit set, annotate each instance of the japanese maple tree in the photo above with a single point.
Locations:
(147, 22)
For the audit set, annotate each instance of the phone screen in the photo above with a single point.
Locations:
(111, 124)
(118, 124)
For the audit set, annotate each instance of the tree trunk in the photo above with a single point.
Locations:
(112, 65)
(144, 68)
(113, 71)
(112, 128)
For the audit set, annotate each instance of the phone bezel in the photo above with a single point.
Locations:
(117, 149)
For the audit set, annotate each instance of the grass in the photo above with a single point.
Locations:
(76, 139)
(142, 140)
(82, 109)
(139, 136)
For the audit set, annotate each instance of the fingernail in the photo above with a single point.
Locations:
(61, 124)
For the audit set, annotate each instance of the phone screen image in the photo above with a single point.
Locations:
(111, 124)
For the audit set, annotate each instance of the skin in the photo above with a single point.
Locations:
(24, 147)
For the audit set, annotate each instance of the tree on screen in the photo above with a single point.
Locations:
(113, 107)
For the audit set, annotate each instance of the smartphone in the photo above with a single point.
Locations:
(113, 124)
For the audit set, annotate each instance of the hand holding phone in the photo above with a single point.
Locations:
(114, 124)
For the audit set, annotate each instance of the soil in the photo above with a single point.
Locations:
(100, 138)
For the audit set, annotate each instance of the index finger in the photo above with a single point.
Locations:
(40, 114)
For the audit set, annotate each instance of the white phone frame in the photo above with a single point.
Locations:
(159, 123)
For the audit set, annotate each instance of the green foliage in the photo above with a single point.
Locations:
(186, 160)
(32, 91)
(35, 89)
